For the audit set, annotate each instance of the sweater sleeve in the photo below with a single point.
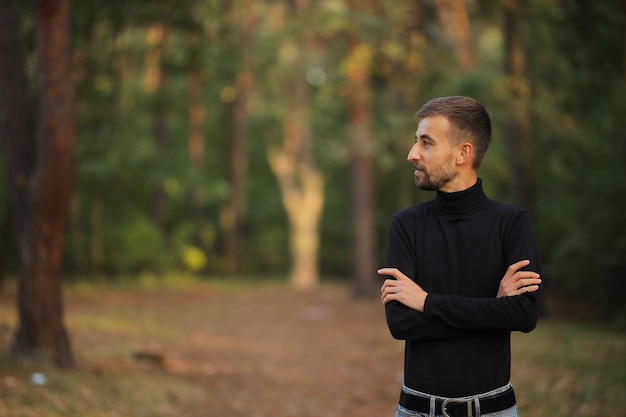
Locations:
(405, 323)
(515, 313)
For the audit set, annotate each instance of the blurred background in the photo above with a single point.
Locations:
(260, 140)
(211, 134)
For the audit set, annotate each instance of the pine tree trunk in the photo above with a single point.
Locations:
(241, 39)
(519, 143)
(195, 143)
(455, 21)
(156, 82)
(362, 178)
(41, 179)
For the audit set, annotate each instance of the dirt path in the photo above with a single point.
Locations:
(235, 350)
(289, 354)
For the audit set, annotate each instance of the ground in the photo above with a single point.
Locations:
(284, 353)
(236, 350)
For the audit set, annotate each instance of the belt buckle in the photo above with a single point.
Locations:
(457, 401)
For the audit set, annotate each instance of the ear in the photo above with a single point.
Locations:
(465, 153)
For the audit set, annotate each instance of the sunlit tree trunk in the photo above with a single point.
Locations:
(302, 187)
(519, 143)
(455, 21)
(155, 83)
(40, 173)
(301, 183)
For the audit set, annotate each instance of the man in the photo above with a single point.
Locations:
(463, 272)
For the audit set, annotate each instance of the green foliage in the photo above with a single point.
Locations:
(581, 178)
(576, 98)
(138, 246)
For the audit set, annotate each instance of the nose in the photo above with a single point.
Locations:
(414, 154)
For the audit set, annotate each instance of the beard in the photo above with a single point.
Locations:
(434, 179)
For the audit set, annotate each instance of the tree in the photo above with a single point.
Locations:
(156, 82)
(40, 174)
(301, 182)
(518, 125)
(239, 41)
(362, 167)
(455, 21)
(196, 120)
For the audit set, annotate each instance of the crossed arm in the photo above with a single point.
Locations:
(408, 292)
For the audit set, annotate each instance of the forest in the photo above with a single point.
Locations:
(267, 139)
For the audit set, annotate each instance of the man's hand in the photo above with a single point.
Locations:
(516, 282)
(402, 289)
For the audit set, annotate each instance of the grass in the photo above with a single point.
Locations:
(561, 369)
(571, 369)
(89, 393)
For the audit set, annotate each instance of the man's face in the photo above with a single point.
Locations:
(432, 154)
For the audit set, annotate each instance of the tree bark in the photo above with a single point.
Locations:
(300, 181)
(156, 81)
(41, 177)
(302, 189)
(519, 143)
(362, 178)
(233, 211)
(16, 114)
(455, 21)
(195, 144)
(16, 117)
(624, 56)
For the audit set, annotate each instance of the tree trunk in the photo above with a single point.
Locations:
(40, 177)
(302, 192)
(195, 119)
(406, 92)
(156, 82)
(242, 19)
(301, 183)
(624, 56)
(455, 21)
(302, 187)
(17, 115)
(362, 178)
(519, 143)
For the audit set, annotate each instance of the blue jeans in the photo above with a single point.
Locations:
(403, 412)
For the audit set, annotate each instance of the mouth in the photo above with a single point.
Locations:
(419, 169)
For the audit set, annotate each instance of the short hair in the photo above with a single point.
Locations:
(467, 117)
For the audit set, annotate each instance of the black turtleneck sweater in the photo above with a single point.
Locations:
(457, 247)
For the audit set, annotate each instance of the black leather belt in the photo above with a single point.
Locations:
(453, 407)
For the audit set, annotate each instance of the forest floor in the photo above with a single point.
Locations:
(234, 350)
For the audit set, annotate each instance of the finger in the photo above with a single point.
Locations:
(531, 281)
(523, 283)
(530, 288)
(388, 295)
(520, 275)
(525, 275)
(388, 283)
(513, 268)
(388, 271)
(393, 272)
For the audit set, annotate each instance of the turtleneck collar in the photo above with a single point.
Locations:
(461, 202)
